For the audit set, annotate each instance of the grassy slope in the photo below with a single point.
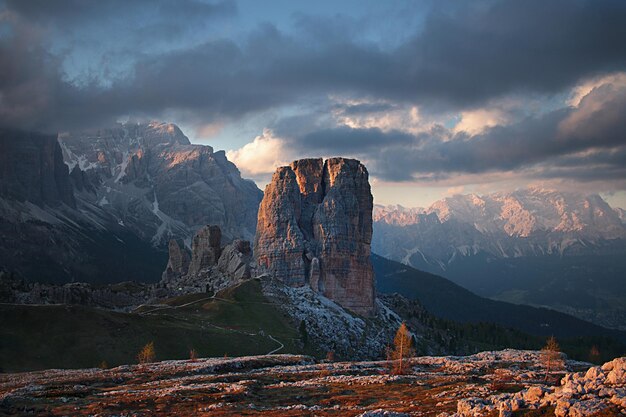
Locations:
(38, 337)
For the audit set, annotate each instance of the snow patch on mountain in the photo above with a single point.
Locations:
(520, 213)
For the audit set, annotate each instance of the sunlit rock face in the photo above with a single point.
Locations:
(159, 184)
(315, 228)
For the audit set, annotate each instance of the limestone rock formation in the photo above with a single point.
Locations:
(159, 184)
(211, 267)
(205, 249)
(315, 228)
(178, 263)
(235, 259)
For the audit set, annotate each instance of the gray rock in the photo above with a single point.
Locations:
(211, 268)
(178, 263)
(235, 260)
(205, 249)
(161, 185)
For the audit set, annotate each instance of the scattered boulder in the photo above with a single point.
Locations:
(580, 394)
(616, 371)
(474, 407)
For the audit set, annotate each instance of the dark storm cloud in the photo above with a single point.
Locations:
(81, 12)
(342, 140)
(458, 58)
(564, 141)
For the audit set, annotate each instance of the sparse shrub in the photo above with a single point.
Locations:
(551, 358)
(147, 354)
(193, 355)
(330, 356)
(103, 365)
(402, 348)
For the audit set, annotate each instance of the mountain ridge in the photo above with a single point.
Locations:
(122, 194)
(533, 246)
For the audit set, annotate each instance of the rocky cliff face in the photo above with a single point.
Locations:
(49, 232)
(211, 268)
(315, 228)
(160, 185)
(32, 169)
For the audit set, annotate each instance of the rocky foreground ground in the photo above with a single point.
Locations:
(502, 383)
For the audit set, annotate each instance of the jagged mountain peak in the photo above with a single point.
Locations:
(521, 213)
(497, 244)
(145, 171)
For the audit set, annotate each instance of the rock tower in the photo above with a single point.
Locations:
(315, 228)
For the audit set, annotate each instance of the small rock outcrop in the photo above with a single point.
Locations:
(205, 249)
(210, 267)
(315, 228)
(235, 260)
(178, 262)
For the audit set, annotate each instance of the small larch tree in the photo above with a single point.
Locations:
(551, 357)
(147, 354)
(402, 348)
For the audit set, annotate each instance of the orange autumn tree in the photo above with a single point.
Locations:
(551, 357)
(147, 354)
(402, 348)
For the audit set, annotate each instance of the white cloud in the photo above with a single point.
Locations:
(260, 157)
(580, 91)
(477, 121)
(393, 117)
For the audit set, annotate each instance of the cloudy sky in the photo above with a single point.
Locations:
(436, 97)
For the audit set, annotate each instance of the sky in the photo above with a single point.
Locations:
(435, 97)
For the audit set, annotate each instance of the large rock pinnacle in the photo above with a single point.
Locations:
(315, 228)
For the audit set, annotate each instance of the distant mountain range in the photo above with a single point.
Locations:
(531, 246)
